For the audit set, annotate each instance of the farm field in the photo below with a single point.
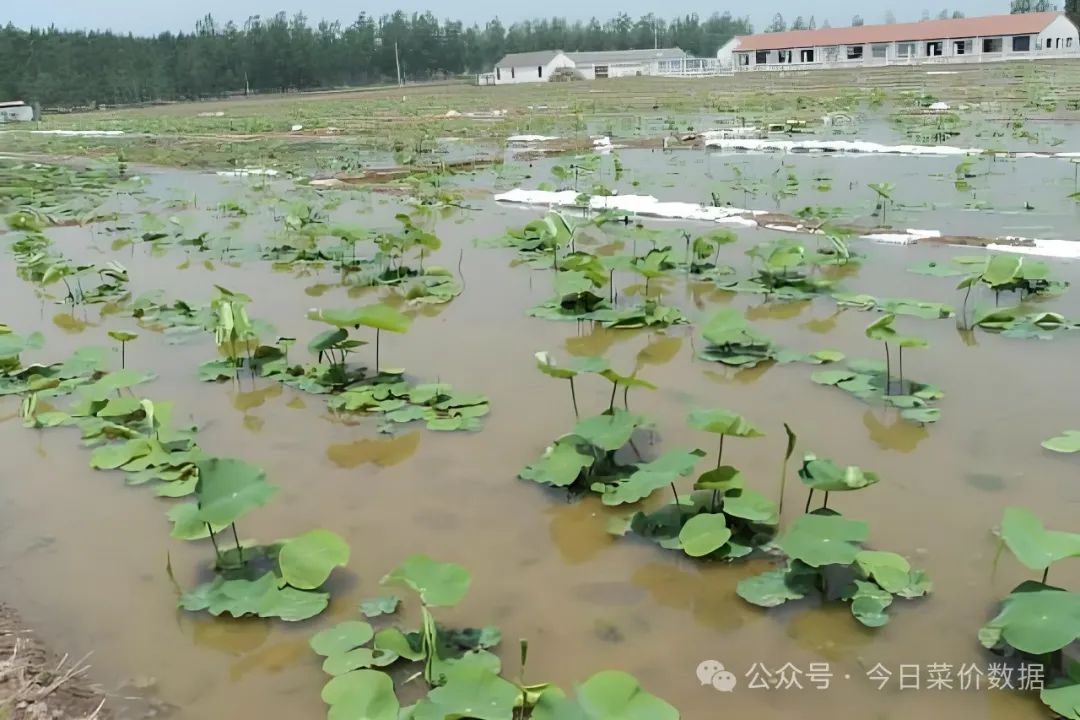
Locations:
(414, 387)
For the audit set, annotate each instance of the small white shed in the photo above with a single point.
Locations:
(530, 67)
(15, 111)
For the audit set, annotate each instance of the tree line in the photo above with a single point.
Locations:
(78, 68)
(778, 23)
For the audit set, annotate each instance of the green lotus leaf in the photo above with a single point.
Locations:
(470, 691)
(882, 328)
(546, 364)
(260, 597)
(328, 339)
(918, 584)
(824, 474)
(608, 695)
(922, 415)
(1001, 269)
(752, 506)
(609, 432)
(832, 377)
(229, 488)
(1063, 698)
(384, 605)
(889, 570)
(723, 422)
(1035, 621)
(775, 587)
(828, 356)
(823, 540)
(341, 638)
(572, 282)
(913, 341)
(651, 476)
(868, 604)
(109, 384)
(292, 605)
(561, 464)
(392, 640)
(306, 561)
(704, 534)
(361, 695)
(122, 335)
(723, 478)
(188, 523)
(438, 584)
(377, 316)
(1032, 544)
(357, 659)
(1067, 442)
(111, 457)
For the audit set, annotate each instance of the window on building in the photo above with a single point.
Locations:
(1068, 42)
(906, 50)
(1021, 43)
(498, 74)
(1057, 43)
(935, 49)
(854, 52)
(993, 45)
(960, 47)
(744, 59)
(806, 56)
(761, 57)
(784, 56)
(539, 71)
(512, 73)
(880, 51)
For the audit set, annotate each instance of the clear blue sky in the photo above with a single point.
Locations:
(147, 16)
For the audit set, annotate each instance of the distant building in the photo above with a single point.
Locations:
(15, 111)
(964, 40)
(540, 66)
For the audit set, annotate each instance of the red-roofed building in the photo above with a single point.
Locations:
(964, 40)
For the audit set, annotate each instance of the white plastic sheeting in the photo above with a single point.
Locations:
(644, 205)
(79, 133)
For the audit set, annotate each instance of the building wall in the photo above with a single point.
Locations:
(725, 55)
(20, 113)
(528, 74)
(1062, 34)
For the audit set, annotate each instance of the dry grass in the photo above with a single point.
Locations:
(27, 690)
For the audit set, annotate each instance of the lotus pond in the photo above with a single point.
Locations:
(404, 450)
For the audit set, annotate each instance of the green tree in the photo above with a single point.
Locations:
(777, 25)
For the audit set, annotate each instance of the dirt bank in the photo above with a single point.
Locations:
(36, 684)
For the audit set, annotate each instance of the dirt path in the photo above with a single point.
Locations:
(36, 685)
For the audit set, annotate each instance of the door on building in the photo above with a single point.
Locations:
(600, 72)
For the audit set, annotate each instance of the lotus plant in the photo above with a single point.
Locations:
(123, 337)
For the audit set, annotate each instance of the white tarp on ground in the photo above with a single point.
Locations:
(79, 133)
(1042, 248)
(644, 205)
(524, 139)
(863, 147)
(247, 172)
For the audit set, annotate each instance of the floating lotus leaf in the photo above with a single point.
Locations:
(1035, 621)
(608, 695)
(572, 283)
(728, 326)
(1063, 699)
(897, 306)
(1032, 544)
(357, 659)
(111, 457)
(609, 432)
(723, 422)
(438, 584)
(824, 474)
(776, 587)
(392, 640)
(823, 540)
(307, 561)
(651, 476)
(868, 604)
(704, 534)
(110, 383)
(1067, 442)
(260, 597)
(889, 570)
(469, 691)
(229, 488)
(561, 464)
(384, 605)
(361, 695)
(341, 638)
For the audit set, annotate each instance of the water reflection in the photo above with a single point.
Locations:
(900, 435)
(777, 310)
(660, 351)
(822, 326)
(743, 377)
(381, 452)
(71, 324)
(708, 593)
(598, 340)
(829, 631)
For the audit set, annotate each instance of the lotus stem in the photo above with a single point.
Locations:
(808, 499)
(236, 539)
(217, 550)
(626, 397)
(377, 333)
(888, 370)
(573, 398)
(123, 359)
(720, 455)
(611, 285)
(783, 484)
(825, 505)
(712, 507)
(1046, 572)
(611, 404)
(964, 306)
(675, 493)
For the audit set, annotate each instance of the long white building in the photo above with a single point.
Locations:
(964, 40)
(531, 67)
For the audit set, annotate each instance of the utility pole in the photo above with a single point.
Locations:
(655, 35)
(397, 62)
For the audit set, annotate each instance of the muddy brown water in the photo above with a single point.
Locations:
(83, 557)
